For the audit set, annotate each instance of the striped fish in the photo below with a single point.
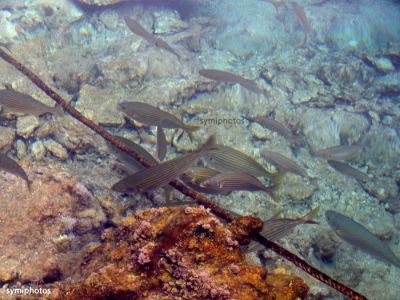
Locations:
(341, 152)
(16, 102)
(161, 143)
(226, 158)
(224, 76)
(348, 170)
(283, 163)
(230, 181)
(195, 176)
(138, 29)
(10, 166)
(161, 174)
(360, 237)
(276, 228)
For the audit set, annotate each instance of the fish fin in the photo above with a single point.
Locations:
(59, 111)
(212, 140)
(161, 143)
(190, 129)
(308, 218)
(167, 192)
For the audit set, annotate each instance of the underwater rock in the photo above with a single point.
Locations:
(26, 125)
(168, 22)
(294, 188)
(381, 64)
(7, 136)
(21, 148)
(171, 253)
(31, 220)
(56, 149)
(101, 2)
(352, 126)
(110, 19)
(38, 150)
(325, 247)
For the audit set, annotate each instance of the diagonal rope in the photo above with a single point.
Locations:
(220, 212)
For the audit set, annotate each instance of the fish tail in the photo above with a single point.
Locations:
(308, 218)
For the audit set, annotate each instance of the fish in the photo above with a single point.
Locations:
(349, 170)
(125, 158)
(341, 152)
(226, 158)
(161, 143)
(360, 237)
(193, 177)
(219, 75)
(276, 228)
(278, 127)
(230, 181)
(16, 102)
(301, 16)
(138, 29)
(10, 166)
(160, 175)
(6, 45)
(283, 163)
(153, 116)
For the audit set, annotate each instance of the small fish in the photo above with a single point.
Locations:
(341, 152)
(357, 235)
(153, 116)
(301, 16)
(226, 158)
(161, 143)
(280, 128)
(161, 174)
(138, 29)
(348, 170)
(16, 102)
(219, 75)
(193, 177)
(10, 166)
(283, 163)
(230, 181)
(276, 228)
(132, 163)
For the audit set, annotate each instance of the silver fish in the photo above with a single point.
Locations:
(16, 102)
(276, 228)
(161, 174)
(195, 176)
(348, 170)
(357, 235)
(283, 163)
(341, 152)
(153, 116)
(219, 75)
(230, 181)
(10, 166)
(226, 158)
(138, 29)
(278, 127)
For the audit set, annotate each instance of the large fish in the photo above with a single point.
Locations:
(161, 143)
(230, 181)
(153, 116)
(224, 76)
(348, 170)
(226, 158)
(357, 235)
(16, 102)
(276, 228)
(10, 166)
(283, 163)
(341, 152)
(138, 29)
(161, 174)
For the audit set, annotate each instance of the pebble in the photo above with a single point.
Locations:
(21, 148)
(56, 149)
(26, 126)
(44, 130)
(383, 64)
(38, 150)
(7, 136)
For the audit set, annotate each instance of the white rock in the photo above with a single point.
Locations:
(56, 149)
(26, 126)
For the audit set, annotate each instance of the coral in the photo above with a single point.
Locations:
(174, 253)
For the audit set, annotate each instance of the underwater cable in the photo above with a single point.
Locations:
(220, 212)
